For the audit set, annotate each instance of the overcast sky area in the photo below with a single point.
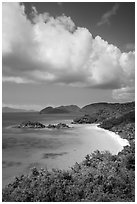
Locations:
(67, 53)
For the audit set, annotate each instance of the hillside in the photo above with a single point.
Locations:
(108, 108)
(60, 109)
(116, 121)
(98, 112)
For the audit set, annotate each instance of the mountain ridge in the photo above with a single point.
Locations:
(101, 107)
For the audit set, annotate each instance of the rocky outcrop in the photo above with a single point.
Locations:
(58, 126)
(30, 124)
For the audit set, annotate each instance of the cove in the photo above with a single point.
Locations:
(54, 148)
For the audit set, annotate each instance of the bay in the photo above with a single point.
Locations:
(23, 149)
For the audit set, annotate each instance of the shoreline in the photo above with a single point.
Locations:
(74, 151)
(123, 142)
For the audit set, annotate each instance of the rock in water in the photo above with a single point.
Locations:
(58, 126)
(30, 124)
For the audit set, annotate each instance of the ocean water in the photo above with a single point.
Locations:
(23, 149)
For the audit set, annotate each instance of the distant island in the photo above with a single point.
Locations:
(60, 109)
(10, 110)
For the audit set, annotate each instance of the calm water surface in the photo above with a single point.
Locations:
(46, 148)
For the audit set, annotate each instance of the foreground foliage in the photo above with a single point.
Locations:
(100, 177)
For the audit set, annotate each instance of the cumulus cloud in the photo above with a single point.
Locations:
(45, 49)
(105, 19)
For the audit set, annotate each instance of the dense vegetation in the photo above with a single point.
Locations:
(107, 110)
(101, 177)
(116, 121)
(98, 112)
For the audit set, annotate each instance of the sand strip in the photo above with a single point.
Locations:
(116, 137)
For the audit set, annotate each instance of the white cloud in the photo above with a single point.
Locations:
(48, 49)
(16, 29)
(105, 19)
(17, 80)
(127, 62)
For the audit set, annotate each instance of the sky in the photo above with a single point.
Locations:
(67, 53)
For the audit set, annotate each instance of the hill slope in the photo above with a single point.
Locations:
(98, 112)
(106, 110)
